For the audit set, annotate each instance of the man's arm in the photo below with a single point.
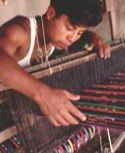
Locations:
(89, 41)
(95, 41)
(54, 103)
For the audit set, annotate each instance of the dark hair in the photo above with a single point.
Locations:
(80, 12)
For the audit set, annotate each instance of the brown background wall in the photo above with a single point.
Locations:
(116, 10)
(22, 7)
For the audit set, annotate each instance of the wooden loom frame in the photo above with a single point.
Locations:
(57, 65)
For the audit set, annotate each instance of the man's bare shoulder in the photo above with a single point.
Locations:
(18, 25)
(15, 34)
(16, 30)
(17, 20)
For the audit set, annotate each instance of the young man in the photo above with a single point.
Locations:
(24, 41)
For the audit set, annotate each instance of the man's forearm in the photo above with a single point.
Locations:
(12, 75)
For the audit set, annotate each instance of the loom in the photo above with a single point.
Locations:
(79, 73)
(104, 103)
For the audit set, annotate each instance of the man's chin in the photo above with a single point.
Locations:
(60, 48)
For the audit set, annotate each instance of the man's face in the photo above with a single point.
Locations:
(61, 33)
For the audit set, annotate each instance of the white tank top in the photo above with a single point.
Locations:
(25, 62)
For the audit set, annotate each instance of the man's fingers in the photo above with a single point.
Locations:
(71, 108)
(104, 50)
(67, 116)
(107, 52)
(75, 112)
(71, 96)
(90, 48)
(54, 122)
(65, 119)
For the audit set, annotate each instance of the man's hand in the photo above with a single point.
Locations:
(57, 107)
(102, 46)
(94, 41)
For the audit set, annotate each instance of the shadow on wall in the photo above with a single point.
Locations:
(23, 7)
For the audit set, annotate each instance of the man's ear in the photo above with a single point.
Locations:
(50, 13)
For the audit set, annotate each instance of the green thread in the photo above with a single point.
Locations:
(86, 46)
